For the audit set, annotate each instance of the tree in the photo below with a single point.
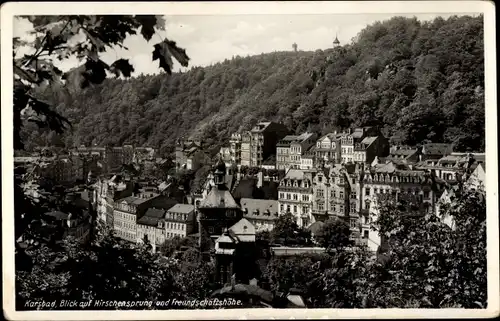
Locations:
(53, 35)
(287, 232)
(428, 264)
(334, 234)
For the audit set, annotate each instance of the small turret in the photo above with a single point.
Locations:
(336, 42)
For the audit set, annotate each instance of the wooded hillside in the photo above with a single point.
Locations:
(419, 81)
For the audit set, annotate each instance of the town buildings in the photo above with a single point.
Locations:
(180, 220)
(351, 138)
(127, 211)
(264, 137)
(327, 149)
(295, 196)
(190, 155)
(235, 148)
(151, 228)
(290, 149)
(217, 211)
(261, 213)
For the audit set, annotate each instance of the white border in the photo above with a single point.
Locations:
(9, 10)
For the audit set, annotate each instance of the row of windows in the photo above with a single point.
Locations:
(176, 216)
(325, 145)
(125, 225)
(294, 196)
(126, 235)
(368, 191)
(175, 226)
(338, 180)
(288, 208)
(295, 183)
(347, 150)
(333, 194)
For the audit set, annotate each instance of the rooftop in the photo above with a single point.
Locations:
(259, 209)
(151, 217)
(137, 200)
(182, 208)
(294, 174)
(217, 198)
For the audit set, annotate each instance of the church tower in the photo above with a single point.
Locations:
(218, 211)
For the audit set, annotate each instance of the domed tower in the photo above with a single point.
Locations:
(220, 174)
(336, 42)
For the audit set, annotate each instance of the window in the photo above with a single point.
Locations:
(305, 209)
(321, 207)
(367, 191)
(365, 234)
(281, 207)
(320, 178)
(295, 208)
(341, 180)
(295, 197)
(341, 208)
(426, 194)
(305, 198)
(341, 194)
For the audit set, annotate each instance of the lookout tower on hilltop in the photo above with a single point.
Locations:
(336, 42)
(294, 46)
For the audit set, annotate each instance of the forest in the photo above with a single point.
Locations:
(419, 81)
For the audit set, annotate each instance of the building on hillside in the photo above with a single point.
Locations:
(217, 211)
(352, 137)
(435, 151)
(235, 148)
(369, 148)
(246, 140)
(307, 159)
(295, 196)
(264, 137)
(107, 192)
(299, 146)
(327, 149)
(225, 155)
(261, 213)
(269, 163)
(188, 152)
(283, 152)
(235, 253)
(408, 154)
(451, 168)
(127, 211)
(151, 228)
(180, 221)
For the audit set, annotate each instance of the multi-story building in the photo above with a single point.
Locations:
(307, 160)
(394, 180)
(246, 140)
(328, 149)
(261, 213)
(217, 211)
(264, 137)
(299, 146)
(295, 196)
(283, 152)
(225, 154)
(235, 148)
(369, 148)
(331, 192)
(352, 137)
(126, 213)
(180, 220)
(151, 228)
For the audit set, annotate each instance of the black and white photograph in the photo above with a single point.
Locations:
(208, 160)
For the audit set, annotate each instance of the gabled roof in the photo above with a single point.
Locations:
(243, 227)
(369, 140)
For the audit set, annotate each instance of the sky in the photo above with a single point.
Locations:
(212, 38)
